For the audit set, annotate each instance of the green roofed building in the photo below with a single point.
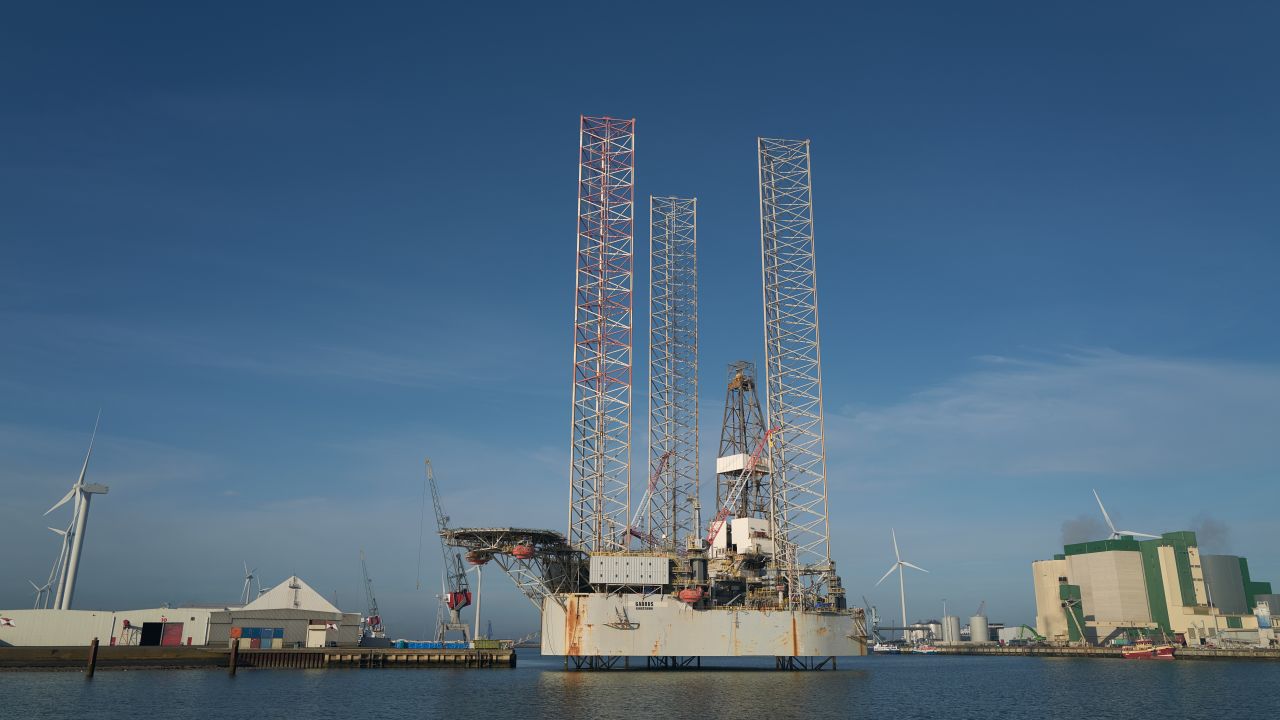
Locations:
(1104, 589)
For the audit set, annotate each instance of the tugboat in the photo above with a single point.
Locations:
(925, 649)
(1147, 650)
(884, 648)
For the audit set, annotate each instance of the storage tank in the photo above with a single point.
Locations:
(950, 629)
(978, 631)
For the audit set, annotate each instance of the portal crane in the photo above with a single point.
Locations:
(456, 593)
(373, 618)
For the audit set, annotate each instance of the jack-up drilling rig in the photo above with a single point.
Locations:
(759, 580)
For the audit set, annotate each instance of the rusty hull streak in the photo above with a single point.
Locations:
(795, 638)
(571, 629)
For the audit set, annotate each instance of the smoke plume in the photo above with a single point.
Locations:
(1214, 535)
(1083, 528)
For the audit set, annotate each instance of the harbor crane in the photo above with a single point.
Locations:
(373, 618)
(456, 593)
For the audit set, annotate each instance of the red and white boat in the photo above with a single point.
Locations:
(1147, 651)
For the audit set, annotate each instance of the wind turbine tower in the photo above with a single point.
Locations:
(82, 494)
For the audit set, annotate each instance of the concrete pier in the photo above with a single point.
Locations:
(109, 658)
(1181, 653)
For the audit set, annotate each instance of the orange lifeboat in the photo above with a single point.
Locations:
(690, 595)
(522, 552)
(477, 558)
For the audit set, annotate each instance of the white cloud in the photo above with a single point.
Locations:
(1097, 412)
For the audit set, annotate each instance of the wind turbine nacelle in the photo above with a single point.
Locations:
(95, 488)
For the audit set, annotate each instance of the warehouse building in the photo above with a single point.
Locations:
(304, 618)
(290, 614)
(1108, 588)
(154, 626)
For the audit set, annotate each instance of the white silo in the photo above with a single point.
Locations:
(950, 629)
(978, 631)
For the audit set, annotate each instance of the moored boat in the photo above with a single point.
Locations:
(1147, 651)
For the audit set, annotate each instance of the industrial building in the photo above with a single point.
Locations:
(1099, 591)
(292, 613)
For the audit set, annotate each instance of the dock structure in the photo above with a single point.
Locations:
(76, 657)
(1182, 653)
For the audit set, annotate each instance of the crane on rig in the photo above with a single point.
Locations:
(743, 479)
(456, 591)
(633, 528)
(373, 618)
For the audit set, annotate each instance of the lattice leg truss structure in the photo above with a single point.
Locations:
(673, 368)
(804, 663)
(600, 462)
(668, 662)
(793, 368)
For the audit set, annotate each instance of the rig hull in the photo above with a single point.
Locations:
(635, 625)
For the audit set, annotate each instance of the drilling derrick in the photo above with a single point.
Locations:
(673, 370)
(741, 432)
(600, 458)
(793, 373)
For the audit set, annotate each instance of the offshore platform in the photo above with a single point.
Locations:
(757, 579)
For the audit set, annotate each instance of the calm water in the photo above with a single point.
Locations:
(876, 687)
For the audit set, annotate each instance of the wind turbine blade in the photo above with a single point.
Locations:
(65, 499)
(85, 468)
(896, 556)
(63, 533)
(34, 585)
(1105, 516)
(915, 567)
(891, 569)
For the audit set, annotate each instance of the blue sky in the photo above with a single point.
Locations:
(292, 250)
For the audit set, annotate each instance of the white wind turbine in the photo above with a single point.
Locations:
(1114, 532)
(899, 565)
(249, 578)
(81, 493)
(58, 573)
(42, 592)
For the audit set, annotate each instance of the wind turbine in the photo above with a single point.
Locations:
(899, 565)
(1116, 534)
(58, 573)
(249, 577)
(42, 591)
(82, 494)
